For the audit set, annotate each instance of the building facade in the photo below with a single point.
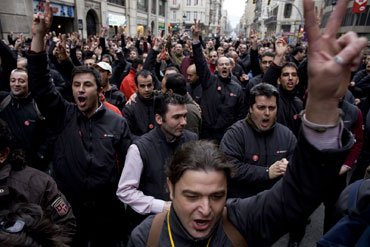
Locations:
(356, 22)
(246, 21)
(183, 12)
(87, 16)
(285, 18)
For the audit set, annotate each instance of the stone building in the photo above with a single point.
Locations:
(86, 16)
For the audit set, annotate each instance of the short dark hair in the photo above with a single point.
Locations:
(162, 101)
(172, 67)
(17, 156)
(267, 54)
(109, 58)
(143, 73)
(263, 89)
(136, 62)
(177, 83)
(31, 227)
(83, 69)
(297, 49)
(89, 57)
(202, 155)
(289, 64)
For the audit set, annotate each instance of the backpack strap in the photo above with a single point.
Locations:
(232, 233)
(155, 230)
(5, 102)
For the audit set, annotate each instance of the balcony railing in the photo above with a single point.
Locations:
(174, 6)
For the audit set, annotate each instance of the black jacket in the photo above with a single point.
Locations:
(253, 152)
(86, 149)
(195, 91)
(156, 152)
(140, 116)
(29, 128)
(289, 107)
(264, 218)
(115, 97)
(222, 99)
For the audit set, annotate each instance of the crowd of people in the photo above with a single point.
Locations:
(180, 139)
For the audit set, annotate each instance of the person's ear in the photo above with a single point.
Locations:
(158, 119)
(171, 189)
(4, 154)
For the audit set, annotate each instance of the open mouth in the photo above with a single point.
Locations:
(201, 225)
(224, 73)
(81, 101)
(265, 122)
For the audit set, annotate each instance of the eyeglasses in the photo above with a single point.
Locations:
(12, 227)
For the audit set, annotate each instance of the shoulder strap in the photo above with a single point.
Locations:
(155, 230)
(5, 102)
(39, 115)
(232, 233)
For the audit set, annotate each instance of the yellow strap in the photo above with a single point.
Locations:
(170, 234)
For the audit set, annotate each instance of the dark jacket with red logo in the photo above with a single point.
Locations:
(85, 163)
(222, 99)
(253, 152)
(140, 116)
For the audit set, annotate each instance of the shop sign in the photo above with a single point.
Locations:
(141, 21)
(161, 26)
(58, 9)
(116, 20)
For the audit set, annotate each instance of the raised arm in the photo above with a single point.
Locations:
(50, 102)
(200, 61)
(315, 163)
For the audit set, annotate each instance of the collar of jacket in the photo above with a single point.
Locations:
(159, 132)
(99, 112)
(225, 80)
(149, 101)
(21, 100)
(181, 235)
(249, 121)
(132, 71)
(287, 94)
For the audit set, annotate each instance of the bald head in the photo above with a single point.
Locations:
(192, 75)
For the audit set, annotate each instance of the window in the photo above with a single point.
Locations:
(195, 15)
(174, 2)
(174, 15)
(195, 2)
(187, 14)
(188, 2)
(142, 5)
(288, 10)
(154, 6)
(162, 11)
(285, 28)
(118, 2)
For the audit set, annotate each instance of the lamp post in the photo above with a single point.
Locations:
(183, 21)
